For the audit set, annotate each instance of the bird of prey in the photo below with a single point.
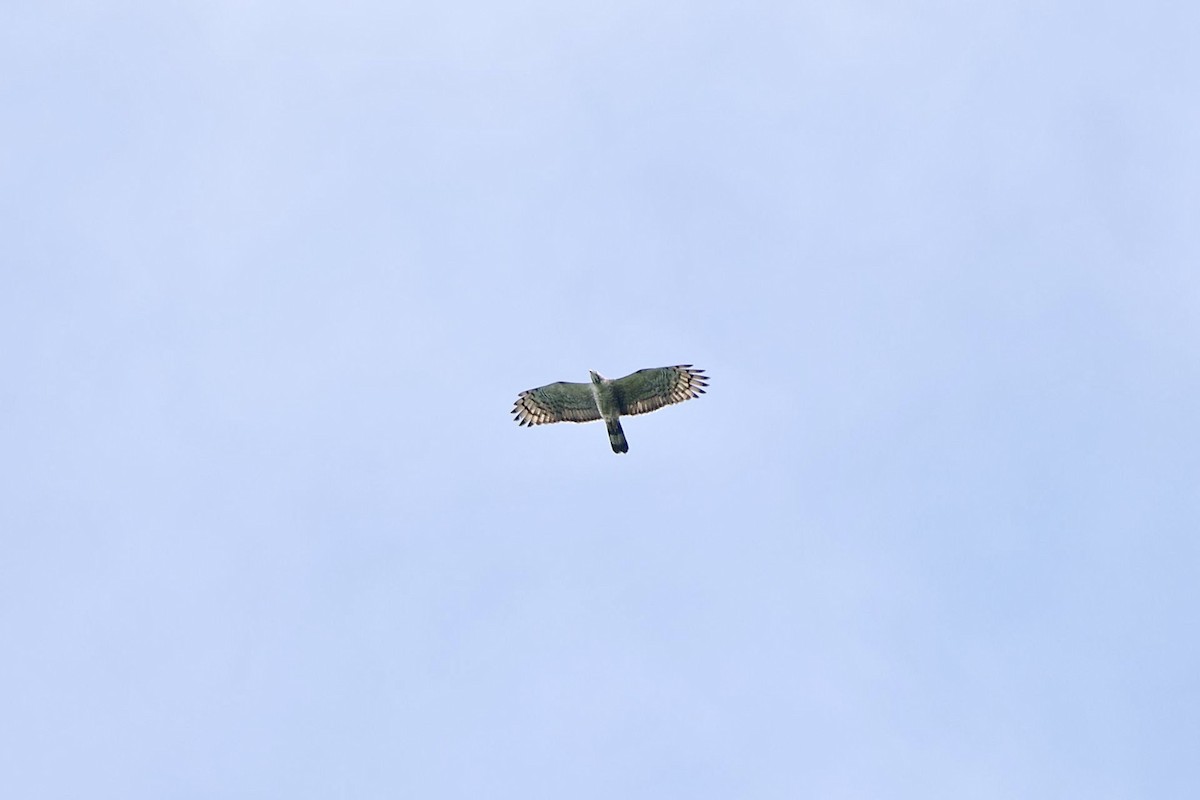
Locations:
(638, 393)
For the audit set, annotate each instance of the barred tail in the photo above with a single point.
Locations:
(616, 436)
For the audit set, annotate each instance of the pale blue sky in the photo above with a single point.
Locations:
(274, 273)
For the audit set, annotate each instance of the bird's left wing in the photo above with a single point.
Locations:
(556, 402)
(650, 389)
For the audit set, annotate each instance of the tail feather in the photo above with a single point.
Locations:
(616, 436)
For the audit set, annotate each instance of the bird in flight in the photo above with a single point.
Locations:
(638, 393)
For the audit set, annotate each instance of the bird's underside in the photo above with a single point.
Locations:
(638, 393)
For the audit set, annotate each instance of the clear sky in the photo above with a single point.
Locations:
(274, 272)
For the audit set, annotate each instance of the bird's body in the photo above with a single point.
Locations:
(609, 406)
(638, 393)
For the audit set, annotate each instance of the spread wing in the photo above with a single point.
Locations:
(650, 389)
(557, 402)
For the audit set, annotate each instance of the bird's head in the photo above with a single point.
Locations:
(596, 376)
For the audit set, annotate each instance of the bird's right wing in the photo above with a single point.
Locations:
(556, 402)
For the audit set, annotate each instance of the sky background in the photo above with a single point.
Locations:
(274, 273)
